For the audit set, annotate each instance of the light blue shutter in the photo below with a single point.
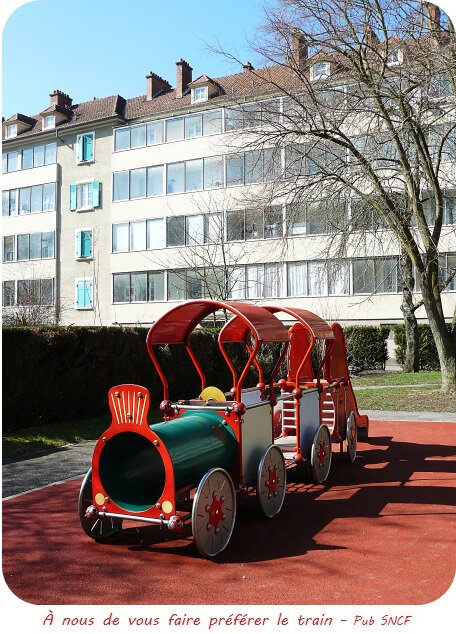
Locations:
(95, 193)
(88, 147)
(78, 244)
(73, 197)
(80, 294)
(88, 293)
(86, 244)
(80, 147)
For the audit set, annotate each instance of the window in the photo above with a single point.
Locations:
(317, 278)
(273, 222)
(234, 169)
(8, 248)
(121, 139)
(394, 57)
(338, 278)
(174, 129)
(449, 216)
(447, 265)
(213, 172)
(120, 239)
(138, 136)
(84, 196)
(84, 240)
(154, 132)
(31, 199)
(85, 144)
(377, 275)
(12, 162)
(156, 233)
(35, 246)
(320, 70)
(236, 282)
(138, 235)
(194, 175)
(35, 292)
(48, 122)
(84, 293)
(121, 187)
(11, 131)
(155, 180)
(297, 279)
(233, 119)
(9, 292)
(212, 122)
(175, 231)
(175, 178)
(235, 226)
(138, 183)
(27, 158)
(193, 126)
(200, 93)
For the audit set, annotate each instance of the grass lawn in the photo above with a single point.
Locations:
(397, 378)
(426, 398)
(35, 439)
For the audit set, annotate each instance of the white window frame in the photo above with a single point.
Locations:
(76, 282)
(83, 161)
(395, 62)
(204, 94)
(11, 131)
(49, 122)
(83, 258)
(324, 75)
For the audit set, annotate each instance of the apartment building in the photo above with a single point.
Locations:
(115, 209)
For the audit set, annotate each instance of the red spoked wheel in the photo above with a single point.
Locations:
(213, 512)
(272, 481)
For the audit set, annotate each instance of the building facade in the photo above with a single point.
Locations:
(116, 209)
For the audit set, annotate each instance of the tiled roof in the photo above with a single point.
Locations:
(249, 84)
(87, 112)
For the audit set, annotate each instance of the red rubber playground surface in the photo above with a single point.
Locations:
(380, 531)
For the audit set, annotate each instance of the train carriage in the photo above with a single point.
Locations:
(189, 468)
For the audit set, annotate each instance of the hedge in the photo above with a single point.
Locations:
(366, 346)
(429, 359)
(53, 374)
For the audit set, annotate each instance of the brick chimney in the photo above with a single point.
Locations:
(433, 13)
(299, 50)
(371, 37)
(154, 84)
(183, 77)
(59, 98)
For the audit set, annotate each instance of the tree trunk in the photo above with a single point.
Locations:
(412, 344)
(442, 336)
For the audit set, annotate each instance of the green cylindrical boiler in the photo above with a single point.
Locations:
(133, 473)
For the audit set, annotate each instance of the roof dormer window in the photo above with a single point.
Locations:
(394, 57)
(49, 122)
(320, 70)
(199, 93)
(11, 131)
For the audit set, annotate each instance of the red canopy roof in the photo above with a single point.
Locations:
(177, 324)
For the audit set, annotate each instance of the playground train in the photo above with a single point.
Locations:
(189, 468)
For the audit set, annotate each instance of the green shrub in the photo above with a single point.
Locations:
(366, 346)
(429, 359)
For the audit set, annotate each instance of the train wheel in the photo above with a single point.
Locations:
(351, 437)
(214, 512)
(272, 481)
(98, 528)
(320, 456)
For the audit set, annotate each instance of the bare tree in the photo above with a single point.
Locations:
(368, 124)
(32, 304)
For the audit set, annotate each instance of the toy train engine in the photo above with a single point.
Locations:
(189, 468)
